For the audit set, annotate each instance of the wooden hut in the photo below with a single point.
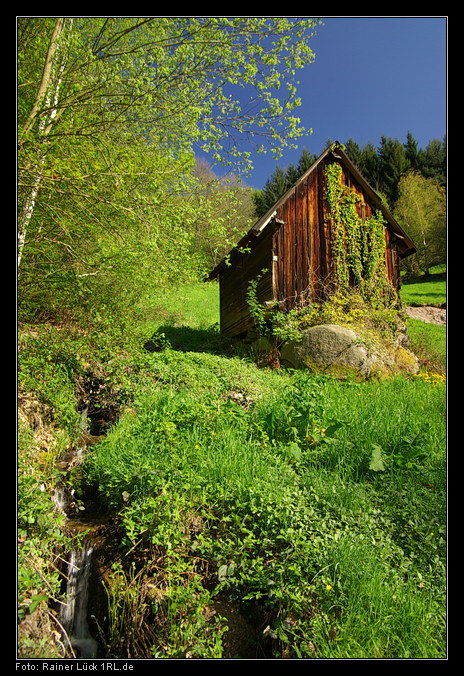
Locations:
(293, 244)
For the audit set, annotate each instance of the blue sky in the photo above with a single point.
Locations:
(372, 77)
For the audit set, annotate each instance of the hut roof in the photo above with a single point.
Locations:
(336, 150)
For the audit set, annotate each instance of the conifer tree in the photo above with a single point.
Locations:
(393, 165)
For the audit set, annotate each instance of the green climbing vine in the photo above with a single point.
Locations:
(270, 321)
(358, 244)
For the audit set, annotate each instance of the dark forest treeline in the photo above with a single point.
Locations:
(382, 166)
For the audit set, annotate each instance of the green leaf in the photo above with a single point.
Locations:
(293, 451)
(226, 571)
(377, 464)
(332, 428)
(36, 600)
(222, 573)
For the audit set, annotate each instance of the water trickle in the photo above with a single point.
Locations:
(74, 613)
(60, 499)
(82, 574)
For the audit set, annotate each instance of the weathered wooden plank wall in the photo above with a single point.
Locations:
(302, 245)
(234, 282)
(314, 215)
(295, 249)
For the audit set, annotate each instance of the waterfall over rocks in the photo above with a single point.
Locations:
(74, 613)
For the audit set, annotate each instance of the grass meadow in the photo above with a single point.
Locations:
(309, 510)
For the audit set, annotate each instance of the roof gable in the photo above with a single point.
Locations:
(336, 150)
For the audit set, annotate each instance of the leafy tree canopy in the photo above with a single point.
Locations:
(421, 210)
(110, 112)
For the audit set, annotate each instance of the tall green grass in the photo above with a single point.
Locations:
(319, 505)
(429, 342)
(345, 558)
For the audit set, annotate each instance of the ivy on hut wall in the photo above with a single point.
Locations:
(358, 244)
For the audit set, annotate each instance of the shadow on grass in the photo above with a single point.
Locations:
(188, 339)
(427, 295)
(418, 279)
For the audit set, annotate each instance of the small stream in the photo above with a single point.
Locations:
(83, 588)
(74, 614)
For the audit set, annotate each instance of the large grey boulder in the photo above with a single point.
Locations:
(325, 346)
(337, 350)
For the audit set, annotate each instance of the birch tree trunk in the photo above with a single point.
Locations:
(45, 112)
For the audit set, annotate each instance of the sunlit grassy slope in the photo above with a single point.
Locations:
(315, 506)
